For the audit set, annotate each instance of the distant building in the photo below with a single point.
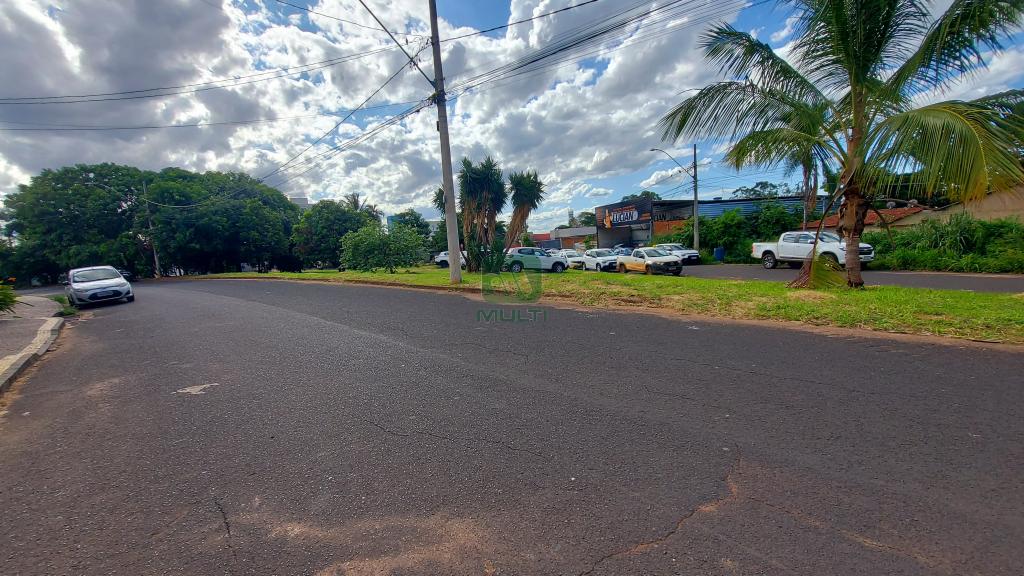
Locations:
(300, 201)
(635, 222)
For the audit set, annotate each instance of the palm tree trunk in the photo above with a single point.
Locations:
(807, 195)
(852, 212)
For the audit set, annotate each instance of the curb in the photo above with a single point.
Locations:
(45, 337)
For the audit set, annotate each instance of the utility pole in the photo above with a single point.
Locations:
(450, 219)
(696, 212)
(152, 236)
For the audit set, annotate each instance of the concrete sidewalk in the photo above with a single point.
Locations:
(25, 335)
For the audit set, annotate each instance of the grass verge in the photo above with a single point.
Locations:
(950, 313)
(66, 308)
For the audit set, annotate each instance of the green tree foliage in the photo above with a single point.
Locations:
(318, 235)
(110, 214)
(645, 195)
(851, 102)
(414, 220)
(762, 191)
(961, 244)
(353, 202)
(587, 219)
(372, 248)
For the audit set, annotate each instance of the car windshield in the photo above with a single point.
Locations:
(655, 252)
(95, 274)
(828, 237)
(600, 253)
(671, 247)
(570, 254)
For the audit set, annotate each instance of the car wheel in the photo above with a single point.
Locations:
(515, 267)
(130, 298)
(443, 263)
(558, 267)
(623, 269)
(768, 261)
(677, 272)
(648, 270)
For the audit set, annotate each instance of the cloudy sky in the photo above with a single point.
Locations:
(585, 123)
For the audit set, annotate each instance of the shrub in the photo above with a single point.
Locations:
(7, 299)
(371, 248)
(962, 244)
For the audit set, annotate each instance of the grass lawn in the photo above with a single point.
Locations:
(958, 314)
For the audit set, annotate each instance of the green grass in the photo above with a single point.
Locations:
(950, 313)
(66, 308)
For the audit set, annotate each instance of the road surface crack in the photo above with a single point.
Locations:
(641, 547)
(227, 528)
(453, 439)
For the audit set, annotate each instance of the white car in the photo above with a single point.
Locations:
(516, 259)
(573, 257)
(686, 255)
(442, 259)
(97, 284)
(650, 261)
(600, 260)
(795, 248)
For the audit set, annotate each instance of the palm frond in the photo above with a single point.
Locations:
(727, 109)
(957, 148)
(954, 44)
(740, 55)
(771, 148)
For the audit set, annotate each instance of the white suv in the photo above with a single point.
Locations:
(535, 258)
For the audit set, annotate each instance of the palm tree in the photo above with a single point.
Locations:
(852, 100)
(482, 196)
(353, 202)
(527, 193)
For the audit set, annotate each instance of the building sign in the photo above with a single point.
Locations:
(624, 213)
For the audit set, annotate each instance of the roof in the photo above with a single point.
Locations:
(890, 214)
(573, 232)
(540, 237)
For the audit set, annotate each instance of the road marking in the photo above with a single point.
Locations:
(200, 389)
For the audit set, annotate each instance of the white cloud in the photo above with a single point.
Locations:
(659, 176)
(786, 31)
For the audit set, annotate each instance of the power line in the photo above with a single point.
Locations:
(208, 85)
(42, 127)
(335, 127)
(311, 11)
(412, 59)
(523, 21)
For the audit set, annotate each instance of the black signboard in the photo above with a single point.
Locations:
(624, 213)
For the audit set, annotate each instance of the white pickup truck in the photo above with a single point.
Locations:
(795, 248)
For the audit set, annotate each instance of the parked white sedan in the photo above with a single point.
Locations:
(599, 260)
(97, 284)
(686, 255)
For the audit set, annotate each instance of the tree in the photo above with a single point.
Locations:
(353, 202)
(414, 220)
(762, 191)
(482, 196)
(587, 219)
(851, 102)
(318, 236)
(372, 247)
(645, 195)
(527, 194)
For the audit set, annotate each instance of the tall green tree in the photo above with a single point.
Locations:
(527, 193)
(482, 196)
(414, 220)
(354, 202)
(317, 238)
(644, 195)
(587, 219)
(852, 101)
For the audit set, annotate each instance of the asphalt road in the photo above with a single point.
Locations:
(1013, 283)
(243, 427)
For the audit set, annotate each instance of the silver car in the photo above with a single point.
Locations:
(97, 284)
